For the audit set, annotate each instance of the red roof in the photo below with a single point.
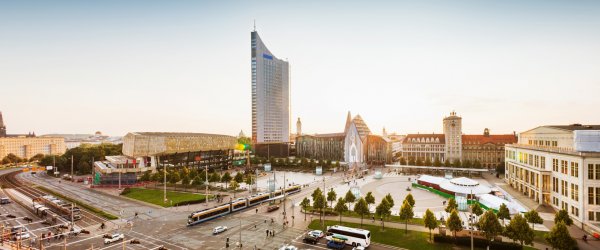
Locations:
(482, 139)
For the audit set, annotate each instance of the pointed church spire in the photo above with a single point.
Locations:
(348, 121)
(2, 127)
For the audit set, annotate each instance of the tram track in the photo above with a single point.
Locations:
(11, 181)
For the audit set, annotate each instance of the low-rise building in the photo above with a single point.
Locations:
(27, 147)
(559, 166)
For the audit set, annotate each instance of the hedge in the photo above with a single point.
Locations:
(477, 242)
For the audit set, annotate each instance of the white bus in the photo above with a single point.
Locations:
(356, 236)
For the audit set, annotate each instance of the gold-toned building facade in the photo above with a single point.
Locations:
(27, 147)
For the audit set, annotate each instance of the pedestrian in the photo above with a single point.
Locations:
(257, 210)
(267, 231)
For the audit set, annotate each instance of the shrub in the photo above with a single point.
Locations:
(477, 242)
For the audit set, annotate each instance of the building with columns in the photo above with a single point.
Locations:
(559, 166)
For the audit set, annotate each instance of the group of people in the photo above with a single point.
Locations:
(270, 233)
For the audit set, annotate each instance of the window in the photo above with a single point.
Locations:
(564, 167)
(542, 162)
(590, 171)
(597, 196)
(597, 171)
(591, 196)
(574, 192)
(555, 165)
(591, 215)
(575, 169)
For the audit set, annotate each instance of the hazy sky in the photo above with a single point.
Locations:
(120, 66)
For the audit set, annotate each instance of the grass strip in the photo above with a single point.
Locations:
(155, 196)
(80, 204)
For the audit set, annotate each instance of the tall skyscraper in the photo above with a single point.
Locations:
(2, 127)
(453, 134)
(270, 94)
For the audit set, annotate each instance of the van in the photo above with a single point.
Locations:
(4, 200)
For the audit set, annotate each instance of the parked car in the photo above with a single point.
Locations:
(272, 208)
(219, 229)
(337, 242)
(310, 239)
(114, 238)
(22, 236)
(288, 247)
(4, 200)
(317, 234)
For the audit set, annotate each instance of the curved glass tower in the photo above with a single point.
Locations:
(270, 95)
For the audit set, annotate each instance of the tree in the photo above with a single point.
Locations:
(406, 213)
(451, 205)
(320, 203)
(390, 200)
(489, 225)
(456, 163)
(234, 185)
(412, 162)
(349, 198)
(340, 207)
(534, 218)
(316, 193)
(185, 180)
(197, 181)
(427, 162)
(447, 163)
(249, 179)
(476, 164)
(362, 209)
(437, 162)
(226, 178)
(239, 177)
(430, 221)
(410, 199)
(304, 162)
(559, 237)
(519, 230)
(476, 209)
(419, 162)
(467, 164)
(563, 216)
(304, 205)
(331, 196)
(402, 161)
(174, 177)
(370, 199)
(36, 157)
(454, 223)
(214, 177)
(10, 158)
(503, 213)
(383, 211)
(146, 176)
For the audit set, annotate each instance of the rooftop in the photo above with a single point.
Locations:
(575, 126)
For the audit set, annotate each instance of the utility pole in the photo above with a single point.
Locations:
(72, 216)
(284, 197)
(471, 218)
(206, 183)
(72, 168)
(240, 232)
(164, 182)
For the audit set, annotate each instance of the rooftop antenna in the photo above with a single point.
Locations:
(254, 24)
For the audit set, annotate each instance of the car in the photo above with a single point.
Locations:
(272, 208)
(317, 234)
(22, 236)
(335, 244)
(114, 238)
(310, 239)
(4, 200)
(288, 247)
(219, 229)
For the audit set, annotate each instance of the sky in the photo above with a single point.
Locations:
(184, 66)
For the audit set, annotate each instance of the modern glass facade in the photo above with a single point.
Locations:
(270, 95)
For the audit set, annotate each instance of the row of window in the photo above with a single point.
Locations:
(564, 167)
(532, 160)
(543, 143)
(594, 198)
(594, 172)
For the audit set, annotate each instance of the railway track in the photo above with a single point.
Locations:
(10, 180)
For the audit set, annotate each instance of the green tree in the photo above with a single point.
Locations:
(410, 199)
(340, 207)
(467, 164)
(214, 177)
(451, 205)
(454, 223)
(518, 230)
(226, 178)
(559, 237)
(430, 221)
(239, 177)
(412, 162)
(534, 218)
(489, 225)
(331, 196)
(370, 199)
(249, 179)
(427, 162)
(36, 157)
(146, 176)
(563, 216)
(174, 177)
(362, 209)
(315, 193)
(476, 209)
(503, 213)
(456, 163)
(476, 164)
(304, 205)
(304, 162)
(349, 198)
(197, 181)
(158, 176)
(447, 163)
(320, 203)
(390, 200)
(185, 180)
(234, 185)
(437, 162)
(406, 213)
(383, 210)
(10, 158)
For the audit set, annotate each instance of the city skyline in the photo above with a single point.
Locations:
(138, 66)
